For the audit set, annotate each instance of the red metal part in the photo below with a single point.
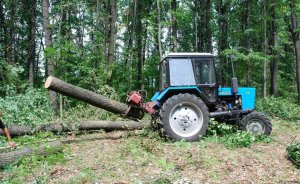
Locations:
(136, 99)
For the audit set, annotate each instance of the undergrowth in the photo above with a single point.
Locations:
(231, 136)
(32, 166)
(31, 108)
(279, 107)
(293, 152)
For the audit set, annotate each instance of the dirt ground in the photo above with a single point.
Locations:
(129, 157)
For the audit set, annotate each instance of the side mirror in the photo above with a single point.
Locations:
(234, 85)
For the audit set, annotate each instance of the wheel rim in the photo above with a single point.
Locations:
(186, 119)
(256, 126)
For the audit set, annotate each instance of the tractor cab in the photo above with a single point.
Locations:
(189, 71)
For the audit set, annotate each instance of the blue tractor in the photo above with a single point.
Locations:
(189, 96)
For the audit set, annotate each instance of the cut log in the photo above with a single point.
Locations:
(116, 125)
(43, 149)
(17, 130)
(89, 97)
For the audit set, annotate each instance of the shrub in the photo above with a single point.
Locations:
(293, 152)
(279, 107)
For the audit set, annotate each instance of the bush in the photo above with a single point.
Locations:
(294, 153)
(31, 108)
(279, 107)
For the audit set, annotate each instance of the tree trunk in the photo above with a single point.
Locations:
(174, 26)
(159, 29)
(112, 32)
(31, 41)
(48, 43)
(139, 32)
(89, 97)
(208, 32)
(296, 41)
(18, 130)
(222, 9)
(3, 32)
(265, 51)
(274, 64)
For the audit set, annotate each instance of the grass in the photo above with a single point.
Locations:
(224, 155)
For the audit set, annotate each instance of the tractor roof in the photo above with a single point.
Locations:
(187, 54)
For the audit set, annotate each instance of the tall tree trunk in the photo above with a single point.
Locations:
(207, 26)
(48, 43)
(274, 64)
(159, 29)
(112, 32)
(139, 32)
(245, 42)
(294, 26)
(11, 51)
(265, 51)
(112, 39)
(174, 26)
(3, 32)
(31, 40)
(203, 28)
(222, 9)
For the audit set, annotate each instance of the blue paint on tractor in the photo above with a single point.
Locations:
(159, 95)
(155, 96)
(247, 95)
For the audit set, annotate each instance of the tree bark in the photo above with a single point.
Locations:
(112, 32)
(159, 29)
(139, 32)
(296, 41)
(89, 97)
(265, 51)
(207, 26)
(48, 43)
(31, 41)
(174, 26)
(18, 130)
(222, 9)
(274, 64)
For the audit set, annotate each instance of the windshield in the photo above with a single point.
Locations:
(181, 72)
(204, 71)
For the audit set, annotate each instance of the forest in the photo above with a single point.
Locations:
(113, 47)
(99, 43)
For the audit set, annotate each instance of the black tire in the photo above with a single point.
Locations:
(184, 116)
(257, 123)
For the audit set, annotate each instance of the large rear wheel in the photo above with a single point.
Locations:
(184, 116)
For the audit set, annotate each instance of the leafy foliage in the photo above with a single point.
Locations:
(279, 107)
(30, 108)
(294, 153)
(231, 136)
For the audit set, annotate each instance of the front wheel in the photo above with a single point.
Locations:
(184, 116)
(257, 123)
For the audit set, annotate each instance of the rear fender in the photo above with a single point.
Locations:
(162, 96)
